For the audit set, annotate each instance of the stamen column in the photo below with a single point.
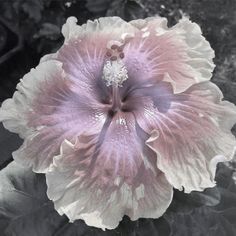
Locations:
(115, 73)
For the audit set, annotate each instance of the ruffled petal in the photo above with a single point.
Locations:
(113, 26)
(192, 136)
(160, 23)
(180, 55)
(13, 112)
(46, 109)
(103, 177)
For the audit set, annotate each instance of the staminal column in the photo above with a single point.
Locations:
(115, 73)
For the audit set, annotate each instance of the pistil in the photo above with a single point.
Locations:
(116, 100)
(115, 73)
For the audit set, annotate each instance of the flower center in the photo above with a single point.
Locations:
(115, 73)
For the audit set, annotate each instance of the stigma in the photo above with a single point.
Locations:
(114, 70)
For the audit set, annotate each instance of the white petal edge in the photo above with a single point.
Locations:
(198, 50)
(13, 110)
(78, 202)
(115, 26)
(193, 168)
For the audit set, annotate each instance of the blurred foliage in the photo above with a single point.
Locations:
(126, 9)
(211, 213)
(9, 142)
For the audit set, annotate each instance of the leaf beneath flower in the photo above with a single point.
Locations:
(9, 142)
(212, 212)
(24, 207)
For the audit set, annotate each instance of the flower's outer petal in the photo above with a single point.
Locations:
(200, 52)
(143, 24)
(192, 136)
(46, 109)
(70, 28)
(113, 26)
(102, 182)
(13, 111)
(180, 54)
(48, 57)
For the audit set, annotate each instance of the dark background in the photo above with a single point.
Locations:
(30, 29)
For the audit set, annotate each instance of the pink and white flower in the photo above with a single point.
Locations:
(121, 114)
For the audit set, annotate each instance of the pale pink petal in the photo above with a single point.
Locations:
(179, 55)
(108, 175)
(192, 136)
(13, 111)
(46, 109)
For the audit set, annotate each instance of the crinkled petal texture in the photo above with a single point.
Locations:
(170, 130)
(192, 136)
(179, 55)
(104, 176)
(47, 109)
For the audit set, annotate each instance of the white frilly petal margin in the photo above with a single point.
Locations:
(198, 136)
(42, 111)
(14, 111)
(181, 51)
(113, 26)
(199, 50)
(103, 205)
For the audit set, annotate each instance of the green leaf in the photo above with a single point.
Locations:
(9, 142)
(212, 212)
(49, 31)
(133, 10)
(126, 9)
(97, 6)
(33, 8)
(24, 207)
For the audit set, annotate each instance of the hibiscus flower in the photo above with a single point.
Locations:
(120, 115)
